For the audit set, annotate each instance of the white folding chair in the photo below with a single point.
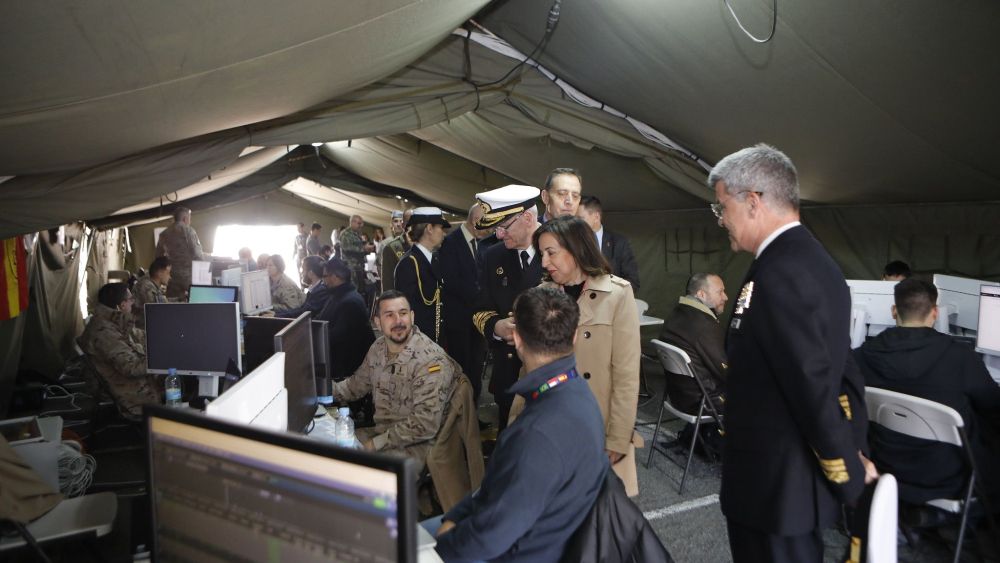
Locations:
(882, 519)
(921, 418)
(642, 306)
(675, 360)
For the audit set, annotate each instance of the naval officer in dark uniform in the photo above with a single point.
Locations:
(792, 455)
(507, 270)
(418, 274)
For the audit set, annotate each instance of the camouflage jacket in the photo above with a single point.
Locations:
(117, 351)
(145, 291)
(352, 249)
(392, 251)
(410, 391)
(286, 294)
(180, 243)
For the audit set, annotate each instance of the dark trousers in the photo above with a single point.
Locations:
(752, 546)
(467, 347)
(506, 367)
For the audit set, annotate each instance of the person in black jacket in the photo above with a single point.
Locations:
(418, 273)
(317, 292)
(791, 457)
(460, 276)
(915, 359)
(693, 326)
(351, 333)
(614, 247)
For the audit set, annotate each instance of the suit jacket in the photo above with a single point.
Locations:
(315, 300)
(618, 251)
(350, 331)
(791, 452)
(696, 331)
(460, 279)
(501, 282)
(421, 282)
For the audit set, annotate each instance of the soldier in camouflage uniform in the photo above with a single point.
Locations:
(394, 249)
(353, 250)
(149, 289)
(285, 293)
(411, 379)
(115, 348)
(180, 243)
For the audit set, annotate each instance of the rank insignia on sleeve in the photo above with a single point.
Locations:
(744, 301)
(500, 271)
(434, 368)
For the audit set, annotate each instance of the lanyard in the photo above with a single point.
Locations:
(561, 378)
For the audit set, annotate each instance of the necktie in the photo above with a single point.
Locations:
(473, 245)
(524, 260)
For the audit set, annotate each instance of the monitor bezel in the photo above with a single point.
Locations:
(304, 318)
(404, 468)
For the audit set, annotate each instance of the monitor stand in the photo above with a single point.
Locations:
(208, 385)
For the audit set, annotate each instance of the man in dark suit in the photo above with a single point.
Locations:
(614, 246)
(508, 269)
(317, 292)
(460, 276)
(792, 455)
(561, 193)
(418, 275)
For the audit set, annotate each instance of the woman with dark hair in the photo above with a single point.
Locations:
(285, 293)
(607, 337)
(416, 275)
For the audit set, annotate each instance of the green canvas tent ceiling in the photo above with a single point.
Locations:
(107, 107)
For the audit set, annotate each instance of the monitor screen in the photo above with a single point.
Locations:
(295, 340)
(228, 492)
(212, 294)
(193, 338)
(255, 292)
(988, 335)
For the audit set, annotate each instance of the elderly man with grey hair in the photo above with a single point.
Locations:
(795, 418)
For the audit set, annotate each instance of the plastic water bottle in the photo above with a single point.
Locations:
(173, 388)
(345, 428)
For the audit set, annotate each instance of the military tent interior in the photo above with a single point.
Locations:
(113, 112)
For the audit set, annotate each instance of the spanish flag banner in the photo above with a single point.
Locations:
(14, 278)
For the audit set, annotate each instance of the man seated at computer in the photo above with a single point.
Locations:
(317, 292)
(549, 464)
(915, 359)
(896, 270)
(117, 351)
(411, 379)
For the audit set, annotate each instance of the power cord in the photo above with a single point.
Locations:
(550, 25)
(774, 22)
(76, 469)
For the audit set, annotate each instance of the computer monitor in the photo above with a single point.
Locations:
(258, 345)
(958, 300)
(193, 338)
(988, 332)
(255, 292)
(871, 308)
(295, 340)
(231, 276)
(259, 399)
(227, 492)
(212, 294)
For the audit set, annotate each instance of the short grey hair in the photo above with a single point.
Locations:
(697, 282)
(760, 168)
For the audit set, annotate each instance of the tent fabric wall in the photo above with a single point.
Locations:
(272, 208)
(670, 246)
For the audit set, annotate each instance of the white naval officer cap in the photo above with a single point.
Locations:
(503, 202)
(431, 215)
(397, 214)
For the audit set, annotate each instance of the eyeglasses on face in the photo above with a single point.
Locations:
(719, 208)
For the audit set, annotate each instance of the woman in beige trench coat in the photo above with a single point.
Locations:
(607, 338)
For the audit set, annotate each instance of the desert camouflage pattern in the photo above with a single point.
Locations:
(286, 294)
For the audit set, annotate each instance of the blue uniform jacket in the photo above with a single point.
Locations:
(543, 477)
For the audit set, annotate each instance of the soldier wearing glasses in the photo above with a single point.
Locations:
(507, 270)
